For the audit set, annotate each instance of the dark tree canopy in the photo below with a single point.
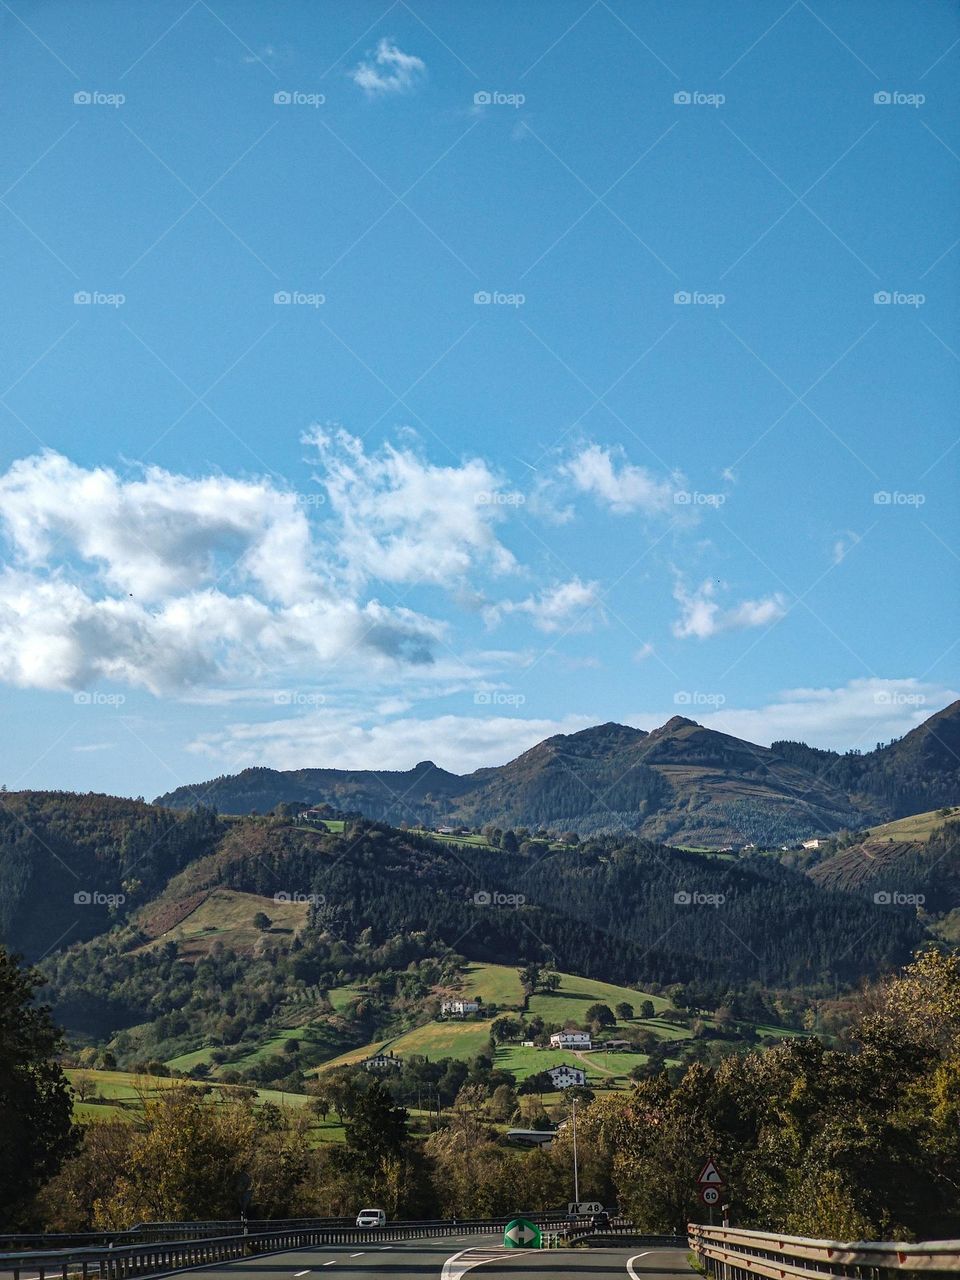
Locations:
(36, 1131)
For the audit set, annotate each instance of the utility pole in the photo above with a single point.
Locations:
(576, 1172)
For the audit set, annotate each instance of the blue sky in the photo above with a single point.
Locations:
(384, 383)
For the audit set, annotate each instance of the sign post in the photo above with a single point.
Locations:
(710, 1183)
(520, 1233)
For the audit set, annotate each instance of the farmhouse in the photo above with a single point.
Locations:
(813, 844)
(571, 1040)
(458, 1008)
(565, 1076)
(381, 1062)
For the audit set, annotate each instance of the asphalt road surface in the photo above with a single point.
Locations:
(453, 1257)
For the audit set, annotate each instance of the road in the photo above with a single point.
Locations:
(479, 1258)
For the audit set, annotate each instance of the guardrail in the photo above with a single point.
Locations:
(155, 1232)
(733, 1254)
(122, 1261)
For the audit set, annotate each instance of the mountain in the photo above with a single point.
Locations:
(682, 784)
(273, 917)
(918, 772)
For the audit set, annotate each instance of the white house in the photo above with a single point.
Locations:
(813, 844)
(381, 1062)
(564, 1077)
(458, 1008)
(571, 1040)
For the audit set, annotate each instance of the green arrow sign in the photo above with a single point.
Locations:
(521, 1234)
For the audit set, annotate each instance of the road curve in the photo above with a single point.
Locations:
(448, 1258)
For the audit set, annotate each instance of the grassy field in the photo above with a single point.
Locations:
(340, 997)
(123, 1094)
(576, 995)
(493, 984)
(918, 827)
(227, 916)
(333, 825)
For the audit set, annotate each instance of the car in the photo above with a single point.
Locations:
(371, 1218)
(600, 1221)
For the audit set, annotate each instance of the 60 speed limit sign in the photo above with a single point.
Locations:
(710, 1195)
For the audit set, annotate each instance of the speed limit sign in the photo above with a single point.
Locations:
(710, 1195)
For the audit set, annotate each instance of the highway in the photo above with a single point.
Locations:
(480, 1258)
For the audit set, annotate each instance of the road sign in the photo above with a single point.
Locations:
(710, 1195)
(584, 1207)
(521, 1234)
(710, 1176)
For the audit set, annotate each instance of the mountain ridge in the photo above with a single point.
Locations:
(679, 783)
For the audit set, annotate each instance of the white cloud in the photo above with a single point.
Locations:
(844, 544)
(607, 476)
(702, 616)
(160, 533)
(457, 743)
(55, 635)
(403, 519)
(859, 714)
(568, 606)
(170, 583)
(389, 71)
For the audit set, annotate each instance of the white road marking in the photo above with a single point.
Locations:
(453, 1268)
(356, 1255)
(296, 1274)
(331, 1263)
(630, 1261)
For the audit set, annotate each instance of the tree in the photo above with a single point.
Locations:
(36, 1133)
(624, 1011)
(505, 1029)
(600, 1015)
(529, 979)
(262, 921)
(647, 1009)
(509, 842)
(550, 982)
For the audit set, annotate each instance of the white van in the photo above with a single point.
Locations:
(371, 1218)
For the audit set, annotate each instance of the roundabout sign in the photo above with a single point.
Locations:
(520, 1233)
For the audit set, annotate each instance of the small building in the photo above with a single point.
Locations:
(528, 1044)
(565, 1076)
(381, 1062)
(571, 1040)
(813, 844)
(458, 1008)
